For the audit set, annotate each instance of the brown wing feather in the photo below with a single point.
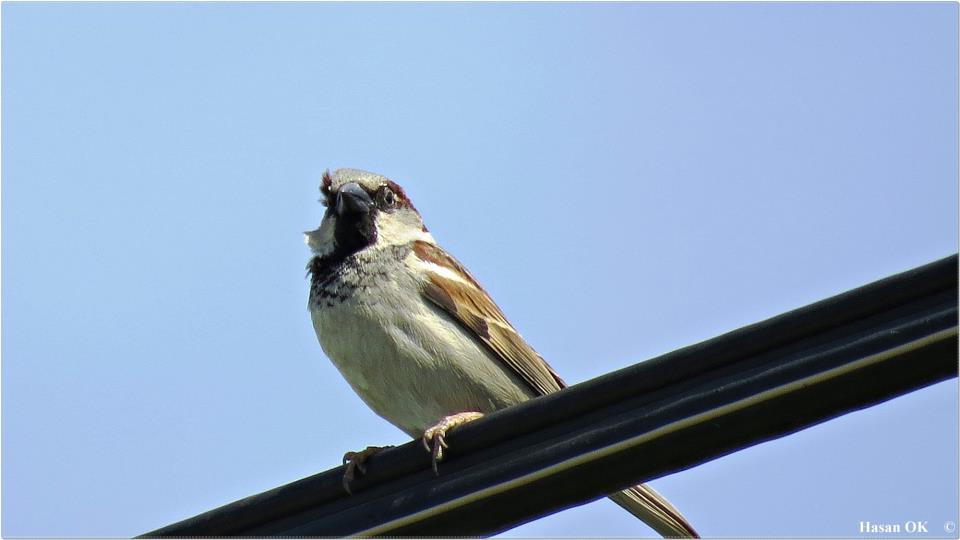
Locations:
(473, 308)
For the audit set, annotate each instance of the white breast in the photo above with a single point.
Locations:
(407, 359)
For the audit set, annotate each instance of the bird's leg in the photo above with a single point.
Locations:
(357, 461)
(433, 437)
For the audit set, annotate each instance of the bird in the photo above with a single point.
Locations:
(415, 334)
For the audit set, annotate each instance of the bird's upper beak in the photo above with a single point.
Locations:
(352, 199)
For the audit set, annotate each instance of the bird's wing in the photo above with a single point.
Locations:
(454, 290)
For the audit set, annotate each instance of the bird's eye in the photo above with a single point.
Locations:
(387, 198)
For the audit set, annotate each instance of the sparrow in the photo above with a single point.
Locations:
(415, 335)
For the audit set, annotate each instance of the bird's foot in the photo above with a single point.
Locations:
(357, 462)
(433, 438)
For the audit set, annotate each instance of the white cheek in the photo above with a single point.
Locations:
(321, 240)
(400, 228)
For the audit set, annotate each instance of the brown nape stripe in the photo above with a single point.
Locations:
(326, 183)
(401, 195)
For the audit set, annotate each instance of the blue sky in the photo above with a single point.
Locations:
(625, 179)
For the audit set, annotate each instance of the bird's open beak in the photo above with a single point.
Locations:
(352, 199)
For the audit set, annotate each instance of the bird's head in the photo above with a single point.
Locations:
(364, 211)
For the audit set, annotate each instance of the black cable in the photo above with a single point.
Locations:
(689, 406)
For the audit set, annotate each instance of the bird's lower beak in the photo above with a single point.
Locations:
(352, 199)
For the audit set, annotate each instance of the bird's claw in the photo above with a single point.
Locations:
(357, 462)
(434, 438)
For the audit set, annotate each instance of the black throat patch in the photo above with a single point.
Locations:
(335, 276)
(353, 233)
(327, 283)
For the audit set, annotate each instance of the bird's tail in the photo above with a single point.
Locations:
(651, 507)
